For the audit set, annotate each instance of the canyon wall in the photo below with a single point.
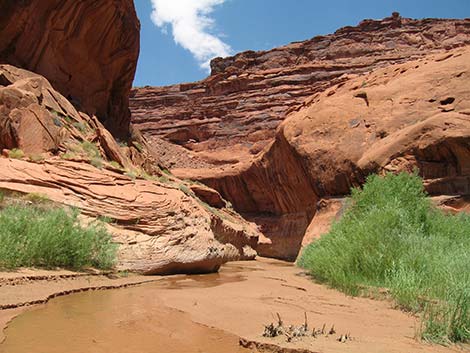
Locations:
(87, 50)
(387, 95)
(232, 115)
(401, 118)
(54, 146)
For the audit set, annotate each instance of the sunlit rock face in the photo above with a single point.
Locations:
(276, 132)
(87, 50)
(228, 118)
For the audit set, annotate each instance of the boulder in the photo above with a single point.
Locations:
(159, 228)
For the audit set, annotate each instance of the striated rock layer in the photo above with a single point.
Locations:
(162, 226)
(232, 115)
(159, 228)
(405, 116)
(87, 50)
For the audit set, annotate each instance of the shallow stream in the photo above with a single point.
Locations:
(131, 320)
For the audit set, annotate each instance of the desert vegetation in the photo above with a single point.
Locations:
(34, 233)
(393, 240)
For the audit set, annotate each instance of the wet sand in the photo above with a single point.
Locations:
(24, 288)
(119, 321)
(209, 313)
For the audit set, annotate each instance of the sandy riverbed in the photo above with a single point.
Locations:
(208, 312)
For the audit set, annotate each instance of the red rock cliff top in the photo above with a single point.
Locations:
(232, 115)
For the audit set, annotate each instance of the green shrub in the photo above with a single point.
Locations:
(36, 157)
(131, 174)
(163, 179)
(34, 236)
(81, 126)
(91, 149)
(139, 146)
(68, 155)
(115, 165)
(16, 153)
(184, 188)
(391, 236)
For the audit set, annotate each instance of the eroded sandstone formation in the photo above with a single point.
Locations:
(86, 49)
(159, 228)
(161, 225)
(54, 143)
(232, 115)
(400, 118)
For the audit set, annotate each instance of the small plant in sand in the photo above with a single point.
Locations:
(16, 153)
(293, 332)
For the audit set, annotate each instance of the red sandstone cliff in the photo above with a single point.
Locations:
(386, 95)
(87, 50)
(54, 145)
(233, 114)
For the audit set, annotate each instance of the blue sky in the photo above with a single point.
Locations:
(205, 27)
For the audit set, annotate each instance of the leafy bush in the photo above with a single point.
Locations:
(391, 236)
(40, 237)
(16, 153)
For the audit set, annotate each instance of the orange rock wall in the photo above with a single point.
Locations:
(233, 114)
(87, 49)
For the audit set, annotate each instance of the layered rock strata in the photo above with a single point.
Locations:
(68, 157)
(228, 118)
(400, 118)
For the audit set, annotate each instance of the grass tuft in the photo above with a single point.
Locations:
(97, 162)
(91, 149)
(37, 237)
(391, 236)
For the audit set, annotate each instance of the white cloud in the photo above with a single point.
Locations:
(191, 24)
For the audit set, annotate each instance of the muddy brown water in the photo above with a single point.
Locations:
(209, 313)
(131, 320)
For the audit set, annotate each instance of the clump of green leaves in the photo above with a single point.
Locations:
(392, 236)
(16, 153)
